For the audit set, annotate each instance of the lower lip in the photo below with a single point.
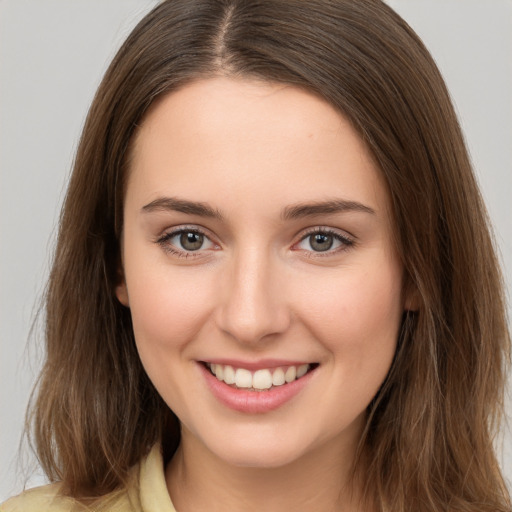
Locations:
(253, 402)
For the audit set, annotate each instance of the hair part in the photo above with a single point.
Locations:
(428, 440)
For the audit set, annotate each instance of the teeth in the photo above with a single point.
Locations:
(229, 375)
(290, 374)
(243, 378)
(260, 379)
(302, 370)
(278, 377)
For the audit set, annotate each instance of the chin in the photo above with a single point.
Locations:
(258, 451)
(260, 457)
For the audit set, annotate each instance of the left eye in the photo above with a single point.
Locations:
(321, 241)
(189, 240)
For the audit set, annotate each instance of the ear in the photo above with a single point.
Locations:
(122, 293)
(412, 300)
(121, 290)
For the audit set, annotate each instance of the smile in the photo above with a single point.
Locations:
(259, 380)
(263, 388)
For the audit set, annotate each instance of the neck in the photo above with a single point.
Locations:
(321, 479)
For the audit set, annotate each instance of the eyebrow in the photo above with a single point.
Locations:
(302, 210)
(292, 212)
(183, 206)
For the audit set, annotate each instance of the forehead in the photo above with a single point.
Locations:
(271, 143)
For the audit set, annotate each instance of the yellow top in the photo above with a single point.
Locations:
(147, 494)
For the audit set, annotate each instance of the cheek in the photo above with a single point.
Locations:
(167, 307)
(357, 313)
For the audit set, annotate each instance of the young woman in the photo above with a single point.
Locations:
(274, 285)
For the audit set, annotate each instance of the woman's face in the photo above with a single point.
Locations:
(257, 240)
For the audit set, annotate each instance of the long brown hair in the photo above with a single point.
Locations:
(431, 427)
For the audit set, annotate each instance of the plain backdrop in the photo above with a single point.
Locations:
(52, 56)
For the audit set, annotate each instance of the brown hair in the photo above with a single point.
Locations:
(431, 427)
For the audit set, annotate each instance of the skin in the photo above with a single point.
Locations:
(257, 289)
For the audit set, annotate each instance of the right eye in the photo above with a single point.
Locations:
(189, 240)
(184, 242)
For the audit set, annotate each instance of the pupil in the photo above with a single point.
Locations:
(320, 242)
(191, 241)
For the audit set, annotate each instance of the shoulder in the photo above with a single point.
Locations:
(146, 491)
(46, 497)
(49, 498)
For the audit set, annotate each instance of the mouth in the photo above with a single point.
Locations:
(260, 380)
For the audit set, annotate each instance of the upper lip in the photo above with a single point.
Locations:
(260, 364)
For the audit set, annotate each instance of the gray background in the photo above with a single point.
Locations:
(52, 56)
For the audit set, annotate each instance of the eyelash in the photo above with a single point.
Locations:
(346, 242)
(164, 240)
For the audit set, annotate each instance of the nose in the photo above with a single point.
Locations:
(253, 305)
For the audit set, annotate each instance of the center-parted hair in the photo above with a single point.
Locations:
(428, 441)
